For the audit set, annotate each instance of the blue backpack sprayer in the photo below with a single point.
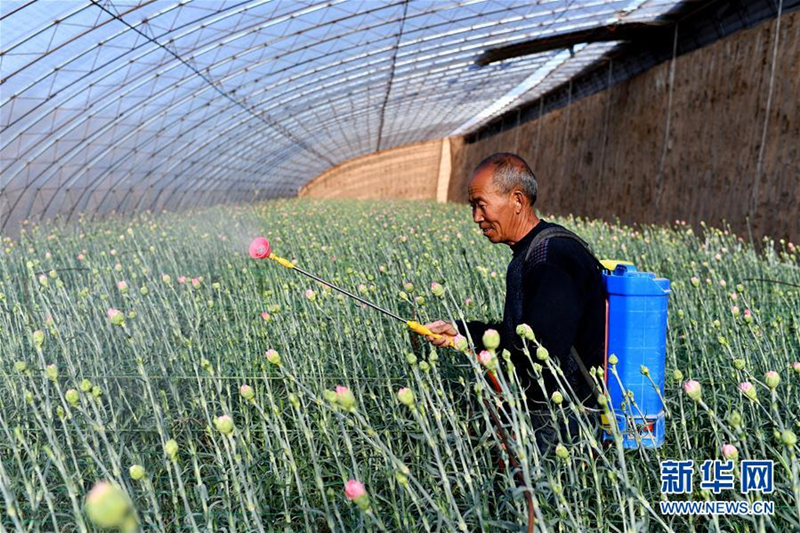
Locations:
(636, 335)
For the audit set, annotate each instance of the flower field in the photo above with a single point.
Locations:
(154, 376)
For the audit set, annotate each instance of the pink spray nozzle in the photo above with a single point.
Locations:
(259, 248)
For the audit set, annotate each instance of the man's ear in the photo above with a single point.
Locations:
(519, 201)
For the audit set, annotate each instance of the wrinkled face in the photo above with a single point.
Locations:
(492, 210)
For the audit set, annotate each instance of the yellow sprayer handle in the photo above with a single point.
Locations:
(281, 261)
(611, 264)
(416, 327)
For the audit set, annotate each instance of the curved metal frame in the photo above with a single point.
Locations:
(350, 73)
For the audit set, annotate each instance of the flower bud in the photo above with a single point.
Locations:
(247, 392)
(171, 449)
(345, 398)
(52, 372)
(612, 359)
(38, 339)
(735, 419)
(355, 492)
(739, 364)
(748, 390)
(677, 375)
(86, 385)
(311, 295)
(294, 401)
(401, 478)
(20, 366)
(644, 370)
(773, 379)
(557, 398)
(123, 287)
(107, 506)
(487, 359)
(729, 451)
(693, 390)
(789, 438)
(562, 452)
(602, 400)
(116, 317)
(224, 424)
(491, 339)
(273, 357)
(406, 396)
(72, 396)
(541, 353)
(461, 344)
(166, 279)
(526, 332)
(136, 472)
(437, 290)
(796, 366)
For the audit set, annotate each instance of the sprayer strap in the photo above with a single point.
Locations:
(559, 231)
(586, 375)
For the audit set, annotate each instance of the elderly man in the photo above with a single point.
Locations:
(553, 284)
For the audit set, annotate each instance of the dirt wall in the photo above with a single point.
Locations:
(409, 172)
(611, 154)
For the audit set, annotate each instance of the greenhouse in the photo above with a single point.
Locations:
(399, 265)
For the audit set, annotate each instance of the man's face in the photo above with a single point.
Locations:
(492, 210)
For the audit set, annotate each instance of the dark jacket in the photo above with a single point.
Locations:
(557, 290)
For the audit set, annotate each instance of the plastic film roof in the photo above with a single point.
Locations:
(118, 105)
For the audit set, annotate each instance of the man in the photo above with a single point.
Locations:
(553, 284)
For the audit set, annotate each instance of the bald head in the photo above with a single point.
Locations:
(509, 171)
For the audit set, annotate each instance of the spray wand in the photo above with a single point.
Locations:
(260, 249)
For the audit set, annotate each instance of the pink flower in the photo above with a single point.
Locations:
(734, 296)
(48, 255)
(468, 302)
(354, 489)
(748, 390)
(259, 248)
(113, 252)
(692, 389)
(729, 451)
(341, 389)
(182, 279)
(195, 282)
(48, 319)
(80, 257)
(796, 366)
(122, 286)
(485, 357)
(722, 283)
(265, 316)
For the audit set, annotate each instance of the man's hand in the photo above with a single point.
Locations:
(445, 329)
